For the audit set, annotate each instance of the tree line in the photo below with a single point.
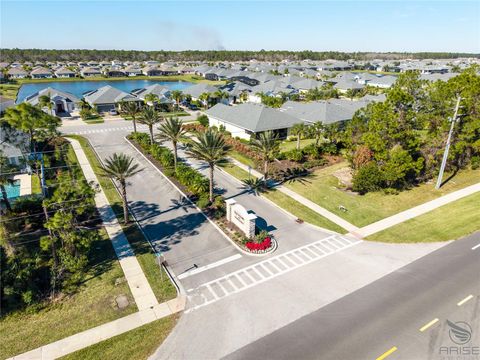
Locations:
(76, 55)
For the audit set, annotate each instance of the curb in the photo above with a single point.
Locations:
(191, 202)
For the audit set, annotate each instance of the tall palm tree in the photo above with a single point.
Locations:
(149, 116)
(267, 146)
(177, 95)
(210, 147)
(316, 130)
(130, 108)
(120, 167)
(46, 101)
(172, 129)
(204, 97)
(298, 130)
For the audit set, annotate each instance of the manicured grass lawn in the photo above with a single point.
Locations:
(324, 189)
(448, 222)
(290, 145)
(242, 158)
(137, 344)
(36, 188)
(287, 203)
(158, 279)
(9, 90)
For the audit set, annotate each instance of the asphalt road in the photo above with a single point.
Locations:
(389, 313)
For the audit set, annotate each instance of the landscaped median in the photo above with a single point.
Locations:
(194, 186)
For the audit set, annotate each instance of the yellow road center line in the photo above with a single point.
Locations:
(387, 353)
(469, 297)
(426, 326)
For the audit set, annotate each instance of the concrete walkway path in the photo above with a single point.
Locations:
(415, 211)
(138, 283)
(304, 201)
(106, 331)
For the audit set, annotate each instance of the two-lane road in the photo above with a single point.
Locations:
(385, 317)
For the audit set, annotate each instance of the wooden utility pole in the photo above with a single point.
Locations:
(447, 146)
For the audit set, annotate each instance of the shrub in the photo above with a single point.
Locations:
(314, 163)
(368, 178)
(264, 245)
(313, 151)
(262, 235)
(329, 148)
(203, 201)
(203, 120)
(475, 162)
(141, 138)
(294, 155)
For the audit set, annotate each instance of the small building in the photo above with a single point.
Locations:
(152, 70)
(41, 73)
(248, 120)
(108, 98)
(132, 71)
(63, 102)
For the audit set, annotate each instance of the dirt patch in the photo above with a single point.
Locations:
(344, 175)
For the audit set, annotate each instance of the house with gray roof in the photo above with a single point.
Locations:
(108, 98)
(326, 111)
(63, 102)
(162, 92)
(198, 89)
(90, 72)
(248, 120)
(63, 72)
(344, 85)
(17, 73)
(41, 73)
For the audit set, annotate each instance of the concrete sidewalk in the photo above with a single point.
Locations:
(415, 211)
(304, 201)
(138, 283)
(103, 332)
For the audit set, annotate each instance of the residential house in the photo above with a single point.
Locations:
(63, 102)
(162, 92)
(198, 89)
(17, 73)
(248, 120)
(133, 71)
(152, 70)
(107, 98)
(64, 73)
(41, 73)
(90, 72)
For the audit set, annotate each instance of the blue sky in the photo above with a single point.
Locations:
(244, 25)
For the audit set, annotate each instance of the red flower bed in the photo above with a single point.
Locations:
(264, 245)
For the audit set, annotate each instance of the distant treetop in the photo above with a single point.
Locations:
(33, 55)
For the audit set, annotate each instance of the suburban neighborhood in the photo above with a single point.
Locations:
(193, 200)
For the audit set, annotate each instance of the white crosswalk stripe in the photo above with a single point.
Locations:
(265, 270)
(96, 131)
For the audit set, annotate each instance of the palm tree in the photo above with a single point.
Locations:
(149, 117)
(177, 95)
(46, 101)
(5, 179)
(130, 108)
(210, 147)
(220, 95)
(204, 97)
(120, 167)
(298, 130)
(172, 129)
(254, 185)
(151, 99)
(316, 130)
(267, 146)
